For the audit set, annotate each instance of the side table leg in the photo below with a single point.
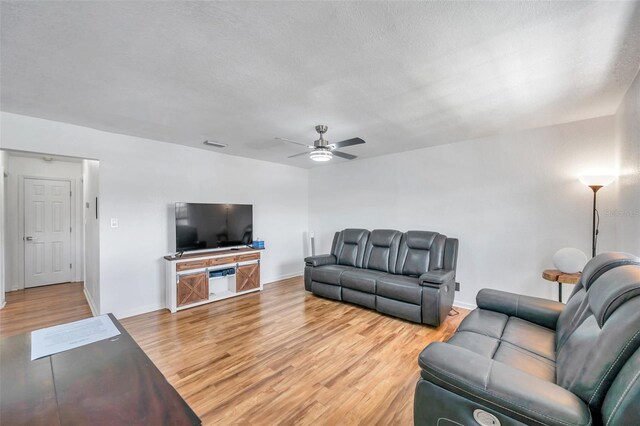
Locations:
(559, 292)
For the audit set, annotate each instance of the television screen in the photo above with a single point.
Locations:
(210, 226)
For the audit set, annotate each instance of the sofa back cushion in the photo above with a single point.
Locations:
(420, 251)
(349, 247)
(594, 352)
(577, 308)
(381, 253)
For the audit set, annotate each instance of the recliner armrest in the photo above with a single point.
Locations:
(320, 260)
(436, 278)
(540, 311)
(505, 389)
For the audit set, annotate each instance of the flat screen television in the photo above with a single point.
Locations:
(211, 226)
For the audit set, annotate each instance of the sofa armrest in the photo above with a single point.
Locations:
(505, 389)
(323, 259)
(540, 311)
(436, 278)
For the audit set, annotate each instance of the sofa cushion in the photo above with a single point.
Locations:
(360, 279)
(419, 252)
(349, 247)
(399, 287)
(475, 342)
(484, 322)
(381, 252)
(528, 362)
(530, 337)
(593, 354)
(329, 274)
(509, 340)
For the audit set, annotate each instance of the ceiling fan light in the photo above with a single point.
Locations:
(321, 155)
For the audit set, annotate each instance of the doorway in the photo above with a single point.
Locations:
(49, 226)
(47, 231)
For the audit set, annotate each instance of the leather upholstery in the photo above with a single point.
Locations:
(398, 287)
(525, 362)
(325, 259)
(450, 260)
(621, 404)
(506, 389)
(395, 273)
(593, 355)
(367, 300)
(349, 247)
(577, 308)
(381, 252)
(329, 274)
(420, 251)
(540, 311)
(360, 279)
(436, 278)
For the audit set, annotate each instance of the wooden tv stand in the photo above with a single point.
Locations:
(197, 278)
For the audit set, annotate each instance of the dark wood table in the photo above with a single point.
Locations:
(110, 382)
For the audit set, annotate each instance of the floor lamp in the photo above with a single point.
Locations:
(595, 183)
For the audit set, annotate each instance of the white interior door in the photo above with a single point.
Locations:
(47, 232)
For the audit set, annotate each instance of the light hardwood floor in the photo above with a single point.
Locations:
(284, 356)
(38, 307)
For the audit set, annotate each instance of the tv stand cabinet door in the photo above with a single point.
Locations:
(192, 288)
(248, 277)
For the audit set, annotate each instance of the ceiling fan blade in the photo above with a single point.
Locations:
(298, 155)
(297, 143)
(344, 155)
(348, 142)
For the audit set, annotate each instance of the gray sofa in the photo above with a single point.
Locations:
(409, 275)
(523, 360)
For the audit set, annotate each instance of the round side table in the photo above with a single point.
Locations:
(561, 278)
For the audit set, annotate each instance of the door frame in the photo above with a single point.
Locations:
(21, 233)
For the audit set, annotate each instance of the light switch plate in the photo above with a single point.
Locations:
(114, 222)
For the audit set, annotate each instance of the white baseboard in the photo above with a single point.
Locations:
(283, 277)
(464, 305)
(92, 305)
(137, 311)
(4, 303)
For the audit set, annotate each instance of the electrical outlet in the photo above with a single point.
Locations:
(114, 222)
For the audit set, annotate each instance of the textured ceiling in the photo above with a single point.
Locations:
(400, 75)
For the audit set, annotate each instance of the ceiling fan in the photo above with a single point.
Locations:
(322, 150)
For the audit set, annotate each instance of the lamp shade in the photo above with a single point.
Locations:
(597, 180)
(569, 260)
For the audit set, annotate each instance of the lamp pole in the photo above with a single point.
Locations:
(594, 233)
(595, 183)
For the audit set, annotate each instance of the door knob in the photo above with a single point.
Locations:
(28, 238)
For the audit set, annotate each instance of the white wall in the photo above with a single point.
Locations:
(18, 167)
(90, 176)
(3, 168)
(140, 179)
(627, 210)
(513, 200)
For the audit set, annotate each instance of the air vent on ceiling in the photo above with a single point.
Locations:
(215, 143)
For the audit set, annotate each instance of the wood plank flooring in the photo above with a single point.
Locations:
(282, 356)
(46, 306)
(285, 356)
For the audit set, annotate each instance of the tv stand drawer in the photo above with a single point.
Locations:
(246, 257)
(222, 260)
(195, 264)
